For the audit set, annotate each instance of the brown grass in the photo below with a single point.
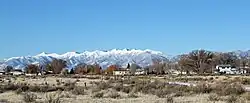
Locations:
(132, 95)
(113, 94)
(202, 88)
(214, 97)
(4, 101)
(232, 99)
(246, 96)
(78, 90)
(53, 98)
(29, 97)
(98, 95)
(229, 89)
(170, 99)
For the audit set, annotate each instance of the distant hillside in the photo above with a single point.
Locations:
(104, 58)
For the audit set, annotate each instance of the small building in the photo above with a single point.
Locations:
(140, 72)
(229, 69)
(121, 72)
(29, 74)
(47, 72)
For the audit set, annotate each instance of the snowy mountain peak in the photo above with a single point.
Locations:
(104, 58)
(42, 54)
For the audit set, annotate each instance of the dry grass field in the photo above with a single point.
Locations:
(134, 89)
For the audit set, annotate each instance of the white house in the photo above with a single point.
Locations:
(122, 72)
(28, 74)
(228, 69)
(140, 72)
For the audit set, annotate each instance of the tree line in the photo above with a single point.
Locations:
(197, 61)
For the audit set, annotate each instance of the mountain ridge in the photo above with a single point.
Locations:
(103, 58)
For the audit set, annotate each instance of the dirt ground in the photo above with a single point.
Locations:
(68, 97)
(203, 98)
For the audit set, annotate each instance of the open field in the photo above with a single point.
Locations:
(134, 89)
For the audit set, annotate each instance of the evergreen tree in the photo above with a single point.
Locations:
(8, 69)
(72, 71)
(128, 66)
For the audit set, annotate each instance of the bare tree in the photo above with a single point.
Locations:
(80, 69)
(244, 62)
(32, 69)
(185, 64)
(57, 65)
(227, 58)
(198, 61)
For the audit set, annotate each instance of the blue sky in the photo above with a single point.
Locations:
(28, 27)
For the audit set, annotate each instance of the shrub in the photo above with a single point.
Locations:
(43, 88)
(1, 90)
(213, 97)
(35, 88)
(202, 88)
(170, 99)
(149, 87)
(4, 101)
(78, 91)
(106, 78)
(179, 88)
(132, 95)
(178, 94)
(29, 97)
(95, 90)
(19, 91)
(66, 95)
(58, 82)
(246, 96)
(113, 94)
(245, 81)
(103, 85)
(189, 79)
(230, 77)
(9, 86)
(69, 85)
(98, 95)
(53, 98)
(211, 78)
(225, 79)
(126, 89)
(228, 89)
(232, 99)
(118, 87)
(160, 93)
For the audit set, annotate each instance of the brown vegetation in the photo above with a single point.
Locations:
(32, 69)
(57, 65)
(29, 97)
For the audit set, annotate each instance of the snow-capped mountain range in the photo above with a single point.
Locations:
(103, 58)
